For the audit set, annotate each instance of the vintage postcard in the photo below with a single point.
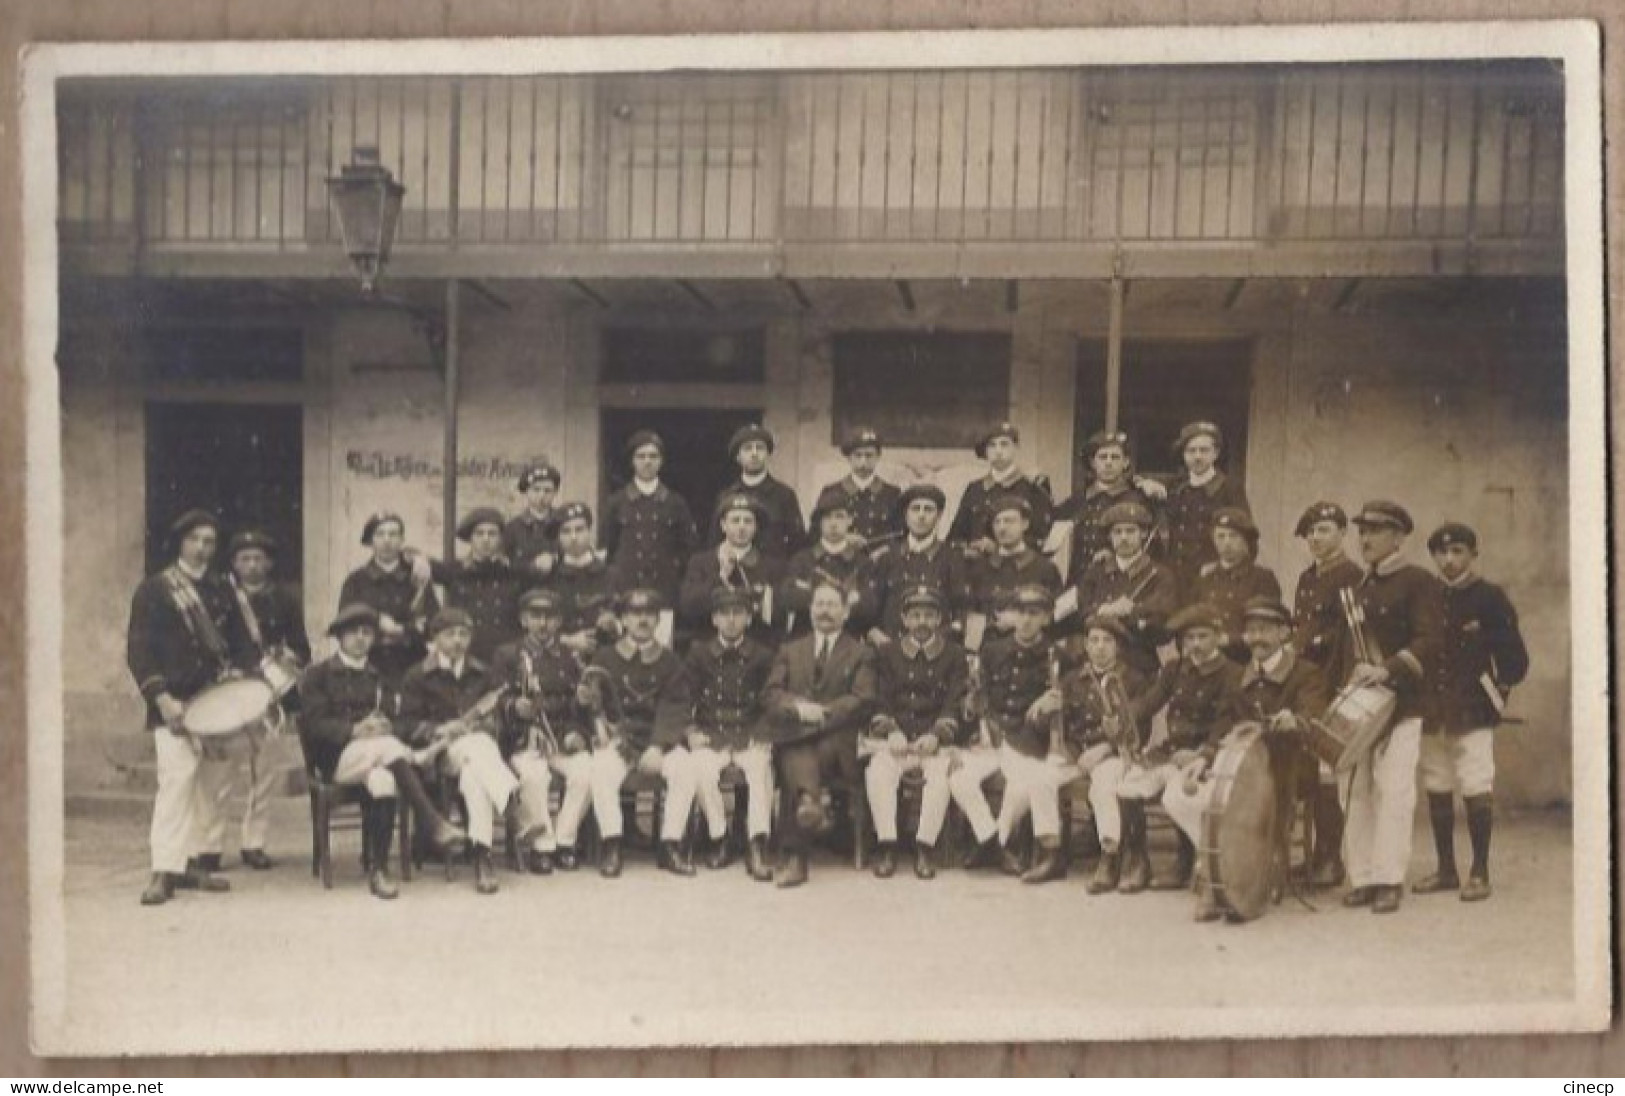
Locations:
(774, 539)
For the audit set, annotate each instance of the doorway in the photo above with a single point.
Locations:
(243, 462)
(697, 463)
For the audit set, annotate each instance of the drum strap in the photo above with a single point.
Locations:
(196, 615)
(250, 618)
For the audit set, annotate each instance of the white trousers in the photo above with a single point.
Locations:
(882, 779)
(609, 772)
(1104, 781)
(183, 811)
(971, 768)
(576, 769)
(260, 761)
(1381, 793)
(1032, 784)
(1186, 808)
(756, 763)
(484, 782)
(1459, 762)
(366, 761)
(535, 798)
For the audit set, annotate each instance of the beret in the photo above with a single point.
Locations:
(1196, 430)
(866, 438)
(928, 491)
(1009, 501)
(644, 437)
(192, 519)
(380, 518)
(754, 432)
(829, 501)
(353, 615)
(484, 515)
(1266, 608)
(642, 600)
(739, 500)
(251, 538)
(572, 511)
(1199, 615)
(539, 473)
(1102, 439)
(1318, 512)
(1125, 513)
(1383, 512)
(1236, 519)
(450, 617)
(1003, 430)
(541, 601)
(1452, 532)
(1109, 624)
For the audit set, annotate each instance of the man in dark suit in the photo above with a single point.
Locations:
(820, 692)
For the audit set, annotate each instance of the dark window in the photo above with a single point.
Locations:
(225, 354)
(665, 356)
(938, 390)
(1166, 384)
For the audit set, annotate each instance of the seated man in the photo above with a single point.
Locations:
(820, 690)
(448, 711)
(836, 556)
(1023, 706)
(543, 726)
(726, 677)
(639, 689)
(348, 737)
(1282, 691)
(1201, 691)
(922, 685)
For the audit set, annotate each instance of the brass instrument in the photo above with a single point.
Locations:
(601, 701)
(1118, 722)
(539, 736)
(479, 718)
(976, 702)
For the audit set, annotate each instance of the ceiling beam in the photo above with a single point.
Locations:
(794, 288)
(1345, 296)
(590, 293)
(906, 293)
(1233, 294)
(487, 294)
(694, 294)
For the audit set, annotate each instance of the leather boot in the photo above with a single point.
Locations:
(671, 858)
(485, 872)
(1480, 823)
(1135, 875)
(378, 819)
(756, 865)
(1009, 862)
(256, 859)
(925, 860)
(609, 860)
(1442, 814)
(159, 890)
(197, 877)
(1184, 864)
(720, 855)
(539, 862)
(443, 837)
(1106, 872)
(1049, 866)
(793, 872)
(1328, 855)
(886, 860)
(566, 859)
(1360, 896)
(1387, 898)
(984, 855)
(208, 862)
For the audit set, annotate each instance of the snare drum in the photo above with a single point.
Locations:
(1351, 726)
(221, 714)
(280, 669)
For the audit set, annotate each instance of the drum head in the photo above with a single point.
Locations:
(1243, 835)
(228, 707)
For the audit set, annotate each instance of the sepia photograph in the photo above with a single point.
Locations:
(816, 538)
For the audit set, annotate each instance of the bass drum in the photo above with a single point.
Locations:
(1238, 826)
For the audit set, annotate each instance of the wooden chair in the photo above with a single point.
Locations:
(326, 799)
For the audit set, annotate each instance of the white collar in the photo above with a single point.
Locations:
(750, 480)
(1004, 479)
(1129, 565)
(826, 641)
(646, 491)
(732, 645)
(585, 559)
(1204, 479)
(388, 569)
(1007, 553)
(925, 545)
(352, 663)
(456, 670)
(187, 570)
(1269, 664)
(862, 483)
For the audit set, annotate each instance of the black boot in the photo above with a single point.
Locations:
(1050, 865)
(208, 862)
(721, 854)
(443, 837)
(159, 890)
(1442, 813)
(566, 859)
(539, 862)
(886, 860)
(984, 855)
(1328, 855)
(198, 877)
(1184, 864)
(793, 872)
(1106, 872)
(925, 860)
(609, 859)
(756, 864)
(378, 825)
(1480, 822)
(485, 872)
(671, 858)
(1135, 874)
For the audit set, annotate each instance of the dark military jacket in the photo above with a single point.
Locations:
(897, 569)
(1404, 618)
(335, 698)
(1084, 509)
(923, 688)
(162, 650)
(431, 695)
(994, 579)
(972, 519)
(650, 702)
(784, 531)
(527, 536)
(727, 685)
(1228, 589)
(1189, 514)
(1481, 636)
(1013, 676)
(1085, 703)
(761, 573)
(875, 509)
(1201, 701)
(649, 538)
(546, 674)
(587, 594)
(1319, 630)
(393, 594)
(488, 590)
(850, 568)
(280, 614)
(1293, 684)
(1151, 587)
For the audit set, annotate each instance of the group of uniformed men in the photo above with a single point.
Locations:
(875, 651)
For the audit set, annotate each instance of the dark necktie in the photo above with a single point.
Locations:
(820, 661)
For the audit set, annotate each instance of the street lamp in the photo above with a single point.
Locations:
(368, 200)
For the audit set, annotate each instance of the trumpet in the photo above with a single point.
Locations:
(976, 702)
(539, 736)
(479, 718)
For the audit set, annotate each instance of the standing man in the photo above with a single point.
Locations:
(738, 563)
(1001, 448)
(348, 735)
(1234, 577)
(1111, 461)
(529, 534)
(485, 584)
(1404, 622)
(1193, 501)
(782, 532)
(727, 677)
(185, 633)
(273, 622)
(820, 692)
(873, 503)
(403, 596)
(583, 582)
(649, 530)
(836, 556)
(1011, 564)
(1128, 586)
(1483, 657)
(921, 558)
(922, 680)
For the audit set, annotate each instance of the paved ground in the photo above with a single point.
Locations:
(580, 960)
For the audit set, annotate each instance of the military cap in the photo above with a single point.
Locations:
(541, 601)
(251, 538)
(450, 617)
(925, 595)
(739, 500)
(1383, 512)
(484, 515)
(1319, 512)
(644, 437)
(828, 502)
(1003, 430)
(539, 473)
(1266, 608)
(1109, 624)
(1032, 596)
(1452, 532)
(1104, 439)
(354, 615)
(642, 600)
(754, 432)
(1196, 430)
(192, 519)
(1126, 513)
(1009, 501)
(1200, 615)
(572, 511)
(382, 517)
(928, 491)
(866, 438)
(1237, 520)
(730, 597)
